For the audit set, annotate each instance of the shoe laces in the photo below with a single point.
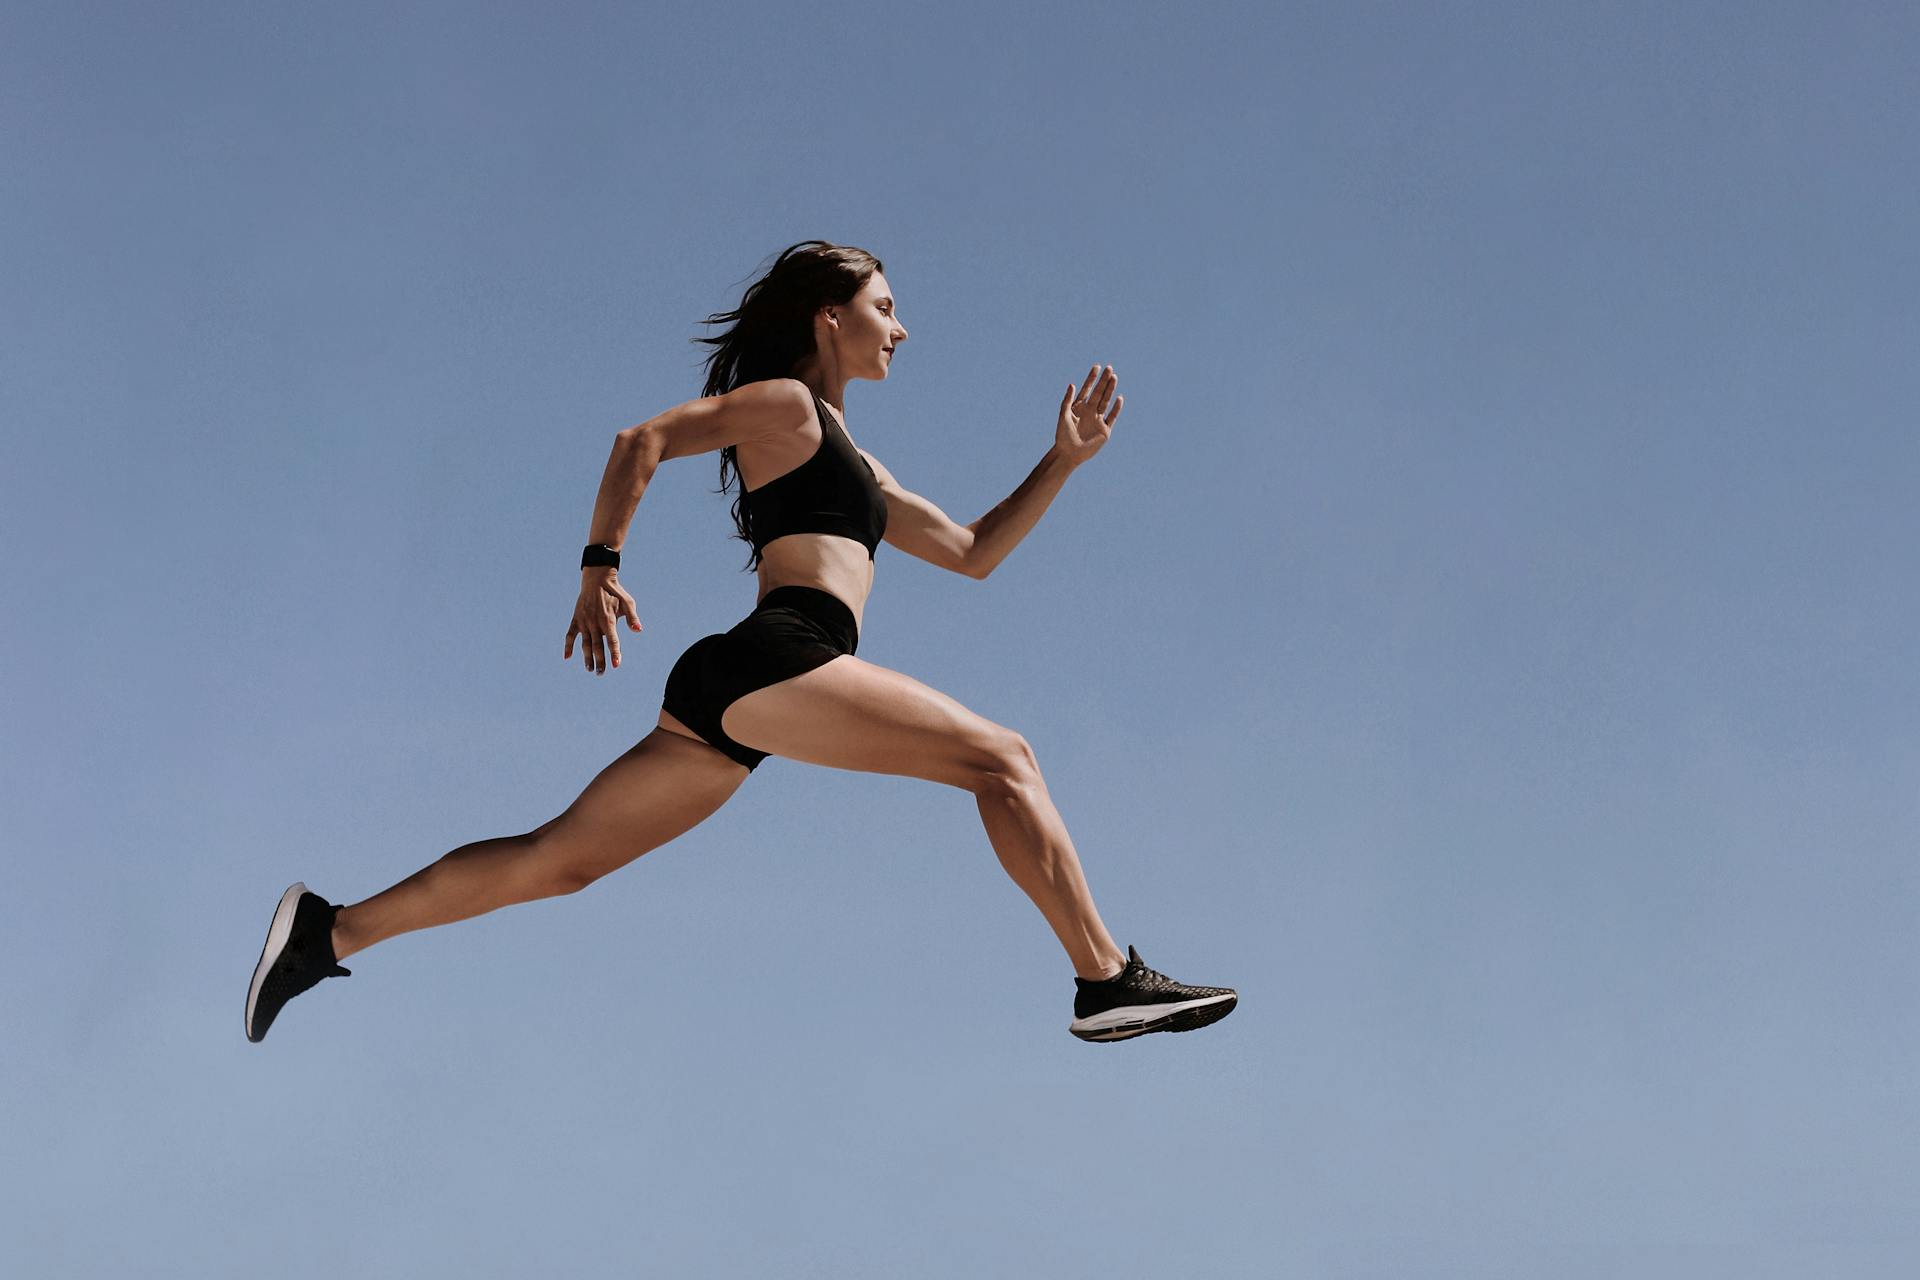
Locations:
(1146, 978)
(1139, 976)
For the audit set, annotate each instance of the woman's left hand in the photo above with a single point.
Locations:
(1085, 418)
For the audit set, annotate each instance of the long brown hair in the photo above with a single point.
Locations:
(773, 331)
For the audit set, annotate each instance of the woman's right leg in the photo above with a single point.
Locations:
(663, 787)
(852, 714)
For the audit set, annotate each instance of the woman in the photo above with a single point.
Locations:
(785, 681)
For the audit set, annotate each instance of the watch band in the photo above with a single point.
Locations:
(599, 554)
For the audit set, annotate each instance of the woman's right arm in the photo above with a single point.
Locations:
(756, 411)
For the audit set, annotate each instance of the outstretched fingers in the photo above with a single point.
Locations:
(1098, 386)
(594, 637)
(594, 622)
(1096, 392)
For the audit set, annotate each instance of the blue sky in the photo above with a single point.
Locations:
(1485, 642)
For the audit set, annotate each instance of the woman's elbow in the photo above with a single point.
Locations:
(642, 440)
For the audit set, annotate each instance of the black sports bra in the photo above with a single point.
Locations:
(834, 491)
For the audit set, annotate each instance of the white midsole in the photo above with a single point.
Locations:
(277, 935)
(1135, 1013)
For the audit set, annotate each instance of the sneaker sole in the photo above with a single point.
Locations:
(277, 934)
(1138, 1020)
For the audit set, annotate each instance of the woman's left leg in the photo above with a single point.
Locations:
(663, 787)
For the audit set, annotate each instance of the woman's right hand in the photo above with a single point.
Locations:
(602, 599)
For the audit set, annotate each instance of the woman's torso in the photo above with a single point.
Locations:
(826, 561)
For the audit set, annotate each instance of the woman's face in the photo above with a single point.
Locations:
(868, 330)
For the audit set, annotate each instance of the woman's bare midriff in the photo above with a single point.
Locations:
(826, 561)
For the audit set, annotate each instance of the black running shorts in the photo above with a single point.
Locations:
(790, 632)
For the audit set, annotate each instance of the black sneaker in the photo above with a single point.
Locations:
(298, 954)
(1138, 1000)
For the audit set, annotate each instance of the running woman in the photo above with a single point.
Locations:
(784, 681)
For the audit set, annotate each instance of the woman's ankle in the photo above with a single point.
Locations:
(342, 938)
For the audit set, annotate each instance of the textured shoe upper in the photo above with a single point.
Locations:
(303, 962)
(310, 944)
(1136, 985)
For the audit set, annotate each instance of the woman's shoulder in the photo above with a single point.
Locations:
(772, 412)
(779, 396)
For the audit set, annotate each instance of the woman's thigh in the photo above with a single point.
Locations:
(663, 787)
(850, 714)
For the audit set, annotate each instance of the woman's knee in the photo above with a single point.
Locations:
(1006, 764)
(663, 787)
(556, 862)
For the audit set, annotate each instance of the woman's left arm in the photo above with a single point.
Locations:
(1087, 415)
(921, 529)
